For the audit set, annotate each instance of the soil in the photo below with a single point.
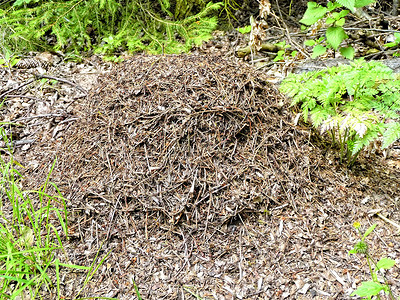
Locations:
(192, 174)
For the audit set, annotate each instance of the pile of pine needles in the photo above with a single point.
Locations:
(197, 138)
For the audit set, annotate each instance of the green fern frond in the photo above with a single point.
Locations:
(357, 104)
(361, 143)
(391, 134)
(320, 114)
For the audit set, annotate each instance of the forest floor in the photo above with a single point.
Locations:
(191, 170)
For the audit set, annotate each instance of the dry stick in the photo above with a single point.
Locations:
(37, 116)
(111, 219)
(370, 29)
(23, 96)
(212, 191)
(350, 28)
(280, 181)
(68, 120)
(395, 10)
(389, 221)
(210, 200)
(186, 255)
(38, 76)
(299, 48)
(240, 260)
(15, 89)
(17, 143)
(269, 47)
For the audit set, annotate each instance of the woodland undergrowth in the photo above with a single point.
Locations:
(106, 26)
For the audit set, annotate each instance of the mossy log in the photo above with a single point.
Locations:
(242, 52)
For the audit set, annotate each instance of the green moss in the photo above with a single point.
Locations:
(108, 26)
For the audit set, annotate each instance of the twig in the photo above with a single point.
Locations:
(39, 76)
(68, 120)
(390, 222)
(371, 29)
(292, 42)
(23, 96)
(17, 88)
(16, 143)
(38, 116)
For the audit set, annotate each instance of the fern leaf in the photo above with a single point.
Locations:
(319, 115)
(361, 143)
(391, 134)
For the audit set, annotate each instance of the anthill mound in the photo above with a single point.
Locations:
(196, 137)
(256, 209)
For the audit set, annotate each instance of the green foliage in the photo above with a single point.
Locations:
(22, 2)
(353, 4)
(109, 26)
(136, 290)
(8, 60)
(244, 30)
(281, 55)
(356, 104)
(335, 33)
(395, 43)
(229, 6)
(374, 287)
(30, 234)
(27, 248)
(313, 14)
(347, 52)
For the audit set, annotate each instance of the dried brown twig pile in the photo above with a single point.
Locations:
(255, 208)
(195, 137)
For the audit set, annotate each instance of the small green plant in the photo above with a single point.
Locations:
(371, 288)
(245, 29)
(229, 7)
(356, 104)
(22, 2)
(27, 248)
(8, 60)
(395, 43)
(281, 55)
(327, 16)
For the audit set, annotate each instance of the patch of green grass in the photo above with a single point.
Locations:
(136, 290)
(33, 225)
